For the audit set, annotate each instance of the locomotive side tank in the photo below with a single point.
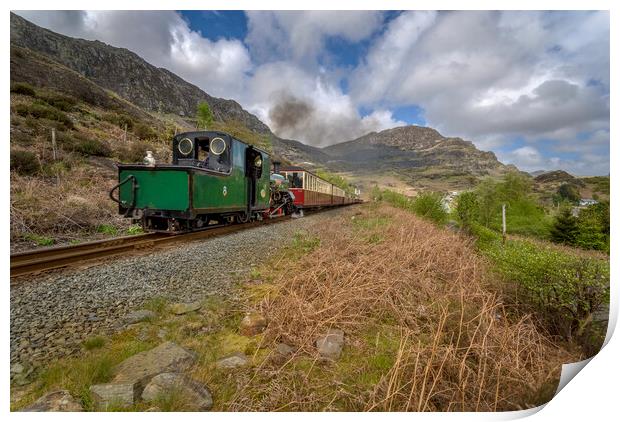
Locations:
(213, 177)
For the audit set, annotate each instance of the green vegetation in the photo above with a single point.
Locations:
(589, 230)
(569, 192)
(144, 131)
(426, 205)
(119, 119)
(40, 240)
(204, 115)
(336, 179)
(133, 230)
(23, 89)
(107, 229)
(41, 110)
(524, 215)
(564, 286)
(24, 162)
(91, 343)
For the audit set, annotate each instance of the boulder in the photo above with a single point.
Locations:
(139, 316)
(183, 308)
(252, 323)
(56, 401)
(330, 345)
(197, 396)
(17, 368)
(114, 395)
(235, 360)
(140, 368)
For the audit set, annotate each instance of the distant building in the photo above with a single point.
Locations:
(586, 202)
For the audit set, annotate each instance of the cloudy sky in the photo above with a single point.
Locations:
(531, 86)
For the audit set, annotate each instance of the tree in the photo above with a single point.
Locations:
(569, 192)
(203, 115)
(565, 228)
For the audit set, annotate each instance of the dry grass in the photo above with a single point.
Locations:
(424, 329)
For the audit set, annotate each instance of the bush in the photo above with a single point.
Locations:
(24, 162)
(41, 110)
(467, 209)
(82, 145)
(23, 89)
(564, 287)
(144, 132)
(429, 205)
(119, 119)
(59, 101)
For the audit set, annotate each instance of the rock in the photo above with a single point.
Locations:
(284, 350)
(56, 401)
(235, 360)
(330, 345)
(162, 333)
(197, 396)
(140, 368)
(153, 409)
(183, 308)
(252, 323)
(114, 394)
(139, 316)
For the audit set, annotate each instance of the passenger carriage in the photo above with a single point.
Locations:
(311, 191)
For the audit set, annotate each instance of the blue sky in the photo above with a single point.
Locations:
(531, 86)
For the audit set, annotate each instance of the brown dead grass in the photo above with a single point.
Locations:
(455, 346)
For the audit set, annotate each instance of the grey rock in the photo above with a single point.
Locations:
(330, 345)
(235, 360)
(196, 395)
(184, 308)
(284, 350)
(55, 401)
(114, 394)
(140, 368)
(140, 316)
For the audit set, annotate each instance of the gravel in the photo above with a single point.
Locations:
(52, 315)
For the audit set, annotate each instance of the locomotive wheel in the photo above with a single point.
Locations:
(242, 218)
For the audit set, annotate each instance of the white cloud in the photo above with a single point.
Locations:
(300, 35)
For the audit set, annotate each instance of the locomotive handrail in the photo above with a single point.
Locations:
(134, 187)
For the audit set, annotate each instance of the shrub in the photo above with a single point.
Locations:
(23, 89)
(204, 115)
(564, 287)
(144, 131)
(119, 119)
(41, 110)
(82, 145)
(429, 205)
(24, 162)
(467, 208)
(593, 227)
(59, 101)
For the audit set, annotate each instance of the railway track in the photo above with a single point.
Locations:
(42, 260)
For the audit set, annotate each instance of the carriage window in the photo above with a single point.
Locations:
(295, 179)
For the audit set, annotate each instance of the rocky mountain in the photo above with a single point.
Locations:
(414, 148)
(127, 74)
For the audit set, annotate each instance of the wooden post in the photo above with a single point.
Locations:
(125, 134)
(54, 143)
(503, 223)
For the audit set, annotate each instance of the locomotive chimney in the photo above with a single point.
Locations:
(276, 167)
